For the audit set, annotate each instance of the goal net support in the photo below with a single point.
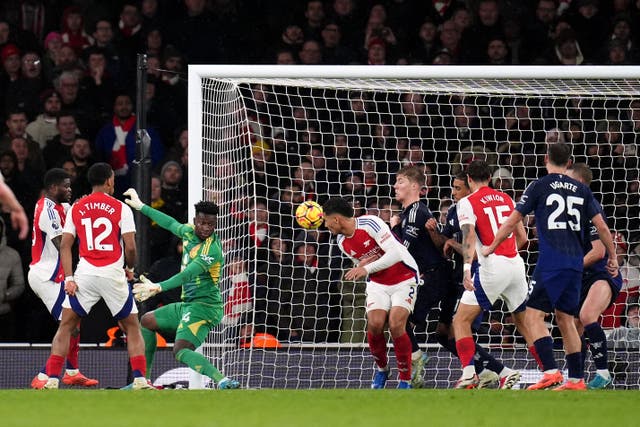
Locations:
(264, 138)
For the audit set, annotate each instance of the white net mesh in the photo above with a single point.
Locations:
(268, 144)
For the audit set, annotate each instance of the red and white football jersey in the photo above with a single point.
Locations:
(48, 222)
(99, 221)
(487, 209)
(373, 237)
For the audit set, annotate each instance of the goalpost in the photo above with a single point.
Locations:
(264, 138)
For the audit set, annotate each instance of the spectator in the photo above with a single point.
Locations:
(627, 337)
(67, 85)
(497, 52)
(450, 39)
(23, 93)
(11, 287)
(58, 148)
(285, 57)
(174, 197)
(52, 46)
(376, 52)
(334, 50)
(82, 157)
(538, 32)
(612, 316)
(73, 34)
(427, 44)
(25, 165)
(311, 53)
(567, 50)
(97, 83)
(103, 37)
(588, 21)
(160, 239)
(16, 128)
(487, 26)
(314, 20)
(116, 143)
(44, 127)
(197, 34)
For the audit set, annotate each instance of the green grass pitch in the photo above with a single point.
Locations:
(326, 408)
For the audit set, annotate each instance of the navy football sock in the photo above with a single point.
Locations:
(575, 365)
(597, 344)
(414, 341)
(544, 348)
(487, 360)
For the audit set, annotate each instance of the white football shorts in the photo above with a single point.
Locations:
(51, 293)
(115, 293)
(383, 297)
(499, 277)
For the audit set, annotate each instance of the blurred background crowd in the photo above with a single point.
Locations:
(67, 97)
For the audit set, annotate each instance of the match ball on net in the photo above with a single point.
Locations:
(309, 215)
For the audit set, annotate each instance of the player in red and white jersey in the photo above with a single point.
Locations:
(45, 272)
(500, 275)
(391, 284)
(106, 234)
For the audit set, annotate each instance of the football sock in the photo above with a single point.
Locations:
(54, 365)
(72, 354)
(487, 360)
(575, 366)
(450, 344)
(414, 341)
(199, 363)
(378, 349)
(150, 344)
(597, 345)
(466, 350)
(534, 354)
(583, 349)
(544, 348)
(402, 348)
(138, 366)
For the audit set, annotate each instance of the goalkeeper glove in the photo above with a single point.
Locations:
(145, 289)
(133, 200)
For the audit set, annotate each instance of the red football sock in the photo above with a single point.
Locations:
(402, 348)
(378, 348)
(72, 355)
(138, 363)
(534, 353)
(466, 349)
(54, 365)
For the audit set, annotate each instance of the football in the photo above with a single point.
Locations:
(309, 215)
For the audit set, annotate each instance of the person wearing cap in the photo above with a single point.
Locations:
(43, 128)
(10, 57)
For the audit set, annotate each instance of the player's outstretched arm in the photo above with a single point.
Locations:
(19, 218)
(192, 270)
(503, 232)
(596, 253)
(468, 254)
(160, 218)
(521, 235)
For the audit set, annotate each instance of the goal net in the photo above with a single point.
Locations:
(265, 138)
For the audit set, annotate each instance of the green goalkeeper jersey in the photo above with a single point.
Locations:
(202, 261)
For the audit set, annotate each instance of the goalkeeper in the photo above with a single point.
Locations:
(201, 308)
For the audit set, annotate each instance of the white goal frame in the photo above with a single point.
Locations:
(474, 76)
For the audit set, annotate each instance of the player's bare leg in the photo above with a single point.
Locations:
(376, 321)
(135, 348)
(465, 345)
(60, 347)
(543, 343)
(572, 349)
(72, 375)
(398, 317)
(597, 301)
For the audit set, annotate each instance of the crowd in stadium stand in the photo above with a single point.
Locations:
(67, 99)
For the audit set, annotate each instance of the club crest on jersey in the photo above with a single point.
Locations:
(206, 258)
(55, 225)
(412, 230)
